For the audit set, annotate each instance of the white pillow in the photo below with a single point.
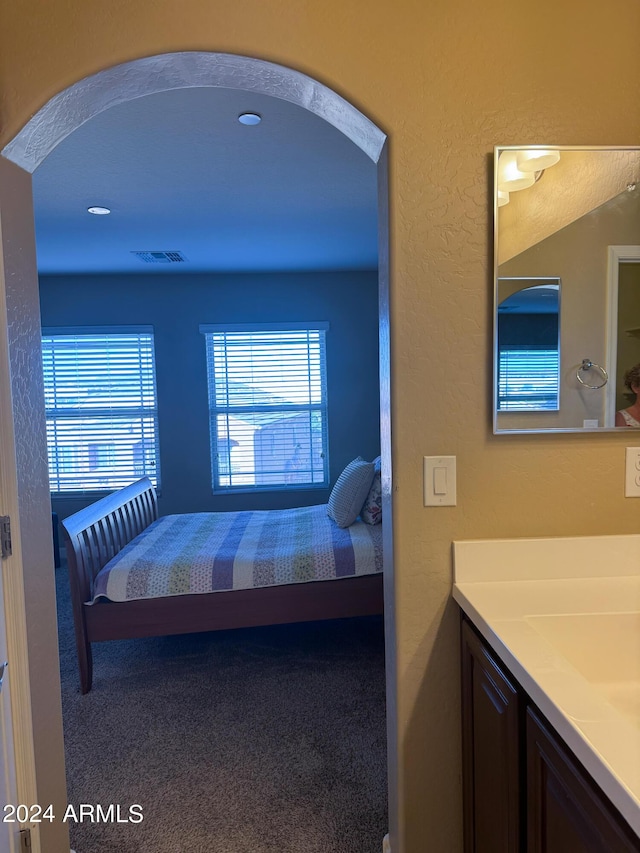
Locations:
(350, 492)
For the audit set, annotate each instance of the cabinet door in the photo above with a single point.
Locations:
(567, 813)
(491, 748)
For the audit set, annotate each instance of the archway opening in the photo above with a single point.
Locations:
(92, 96)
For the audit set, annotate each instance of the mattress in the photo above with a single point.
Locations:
(196, 553)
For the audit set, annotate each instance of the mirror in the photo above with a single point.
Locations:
(567, 286)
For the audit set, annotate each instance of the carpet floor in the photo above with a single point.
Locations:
(261, 740)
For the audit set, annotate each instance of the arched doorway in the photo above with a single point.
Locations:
(71, 108)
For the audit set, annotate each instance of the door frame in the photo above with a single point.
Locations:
(22, 785)
(28, 573)
(617, 255)
(88, 97)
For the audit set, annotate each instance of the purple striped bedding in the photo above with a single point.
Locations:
(210, 552)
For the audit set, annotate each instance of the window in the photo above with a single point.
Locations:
(528, 343)
(528, 379)
(267, 407)
(100, 399)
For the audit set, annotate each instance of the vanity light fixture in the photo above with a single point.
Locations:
(536, 159)
(510, 178)
(97, 210)
(519, 170)
(249, 118)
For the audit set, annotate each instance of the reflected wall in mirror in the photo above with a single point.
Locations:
(570, 216)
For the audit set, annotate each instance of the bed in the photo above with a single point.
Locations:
(135, 574)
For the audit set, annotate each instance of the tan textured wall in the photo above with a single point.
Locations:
(447, 82)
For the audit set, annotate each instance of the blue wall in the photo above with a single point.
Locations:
(175, 306)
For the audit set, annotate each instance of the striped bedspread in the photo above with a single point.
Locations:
(209, 552)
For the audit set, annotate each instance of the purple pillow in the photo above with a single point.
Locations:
(371, 511)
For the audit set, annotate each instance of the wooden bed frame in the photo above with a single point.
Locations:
(94, 535)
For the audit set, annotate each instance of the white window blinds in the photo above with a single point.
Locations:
(528, 380)
(267, 407)
(100, 398)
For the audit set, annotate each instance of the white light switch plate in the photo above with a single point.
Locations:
(632, 473)
(439, 480)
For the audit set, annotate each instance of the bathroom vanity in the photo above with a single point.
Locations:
(550, 635)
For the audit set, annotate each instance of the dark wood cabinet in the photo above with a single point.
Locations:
(524, 791)
(565, 810)
(491, 745)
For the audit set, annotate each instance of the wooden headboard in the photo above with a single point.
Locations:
(95, 534)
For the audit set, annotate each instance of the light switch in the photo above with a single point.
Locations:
(632, 477)
(439, 480)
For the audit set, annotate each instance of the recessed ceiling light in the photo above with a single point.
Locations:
(249, 118)
(99, 211)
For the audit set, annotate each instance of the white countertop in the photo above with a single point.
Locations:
(514, 591)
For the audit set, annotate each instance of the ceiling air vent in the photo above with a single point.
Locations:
(160, 257)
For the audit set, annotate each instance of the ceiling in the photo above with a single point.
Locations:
(180, 173)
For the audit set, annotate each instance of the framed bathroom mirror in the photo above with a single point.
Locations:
(567, 286)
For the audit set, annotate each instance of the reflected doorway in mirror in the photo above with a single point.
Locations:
(528, 363)
(623, 404)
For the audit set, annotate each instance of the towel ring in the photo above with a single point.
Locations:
(587, 364)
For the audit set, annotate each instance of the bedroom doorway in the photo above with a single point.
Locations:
(153, 74)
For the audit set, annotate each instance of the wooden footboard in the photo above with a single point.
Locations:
(96, 534)
(93, 536)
